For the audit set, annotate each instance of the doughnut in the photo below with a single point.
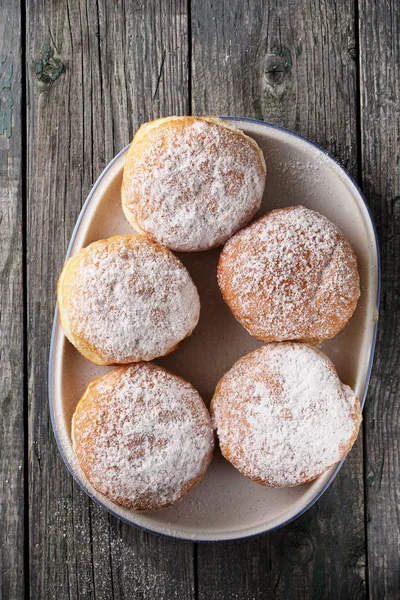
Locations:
(192, 182)
(291, 275)
(282, 415)
(142, 436)
(126, 299)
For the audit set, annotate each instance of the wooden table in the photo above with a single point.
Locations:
(76, 80)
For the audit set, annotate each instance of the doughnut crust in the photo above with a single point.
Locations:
(126, 299)
(282, 415)
(291, 275)
(192, 182)
(142, 436)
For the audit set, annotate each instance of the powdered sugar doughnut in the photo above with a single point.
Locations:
(192, 182)
(291, 275)
(142, 436)
(126, 299)
(282, 415)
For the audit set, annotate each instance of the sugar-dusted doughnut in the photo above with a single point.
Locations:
(282, 415)
(291, 275)
(192, 182)
(142, 436)
(126, 299)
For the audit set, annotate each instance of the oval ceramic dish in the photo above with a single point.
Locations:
(226, 505)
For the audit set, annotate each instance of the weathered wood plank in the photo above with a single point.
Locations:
(11, 308)
(291, 64)
(96, 70)
(380, 158)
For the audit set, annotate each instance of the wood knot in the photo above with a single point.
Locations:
(277, 68)
(352, 52)
(48, 68)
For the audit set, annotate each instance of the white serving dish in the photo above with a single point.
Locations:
(225, 505)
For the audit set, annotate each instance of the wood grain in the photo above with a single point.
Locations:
(11, 308)
(380, 160)
(96, 70)
(291, 64)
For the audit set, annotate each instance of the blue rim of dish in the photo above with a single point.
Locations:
(367, 378)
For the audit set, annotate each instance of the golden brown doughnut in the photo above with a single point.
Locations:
(282, 415)
(142, 436)
(291, 275)
(126, 299)
(192, 182)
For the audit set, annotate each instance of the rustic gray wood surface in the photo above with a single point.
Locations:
(297, 55)
(12, 360)
(94, 72)
(380, 179)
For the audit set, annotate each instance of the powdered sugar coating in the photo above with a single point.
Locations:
(282, 415)
(126, 299)
(290, 275)
(192, 182)
(142, 436)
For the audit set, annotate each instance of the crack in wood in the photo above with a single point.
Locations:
(160, 74)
